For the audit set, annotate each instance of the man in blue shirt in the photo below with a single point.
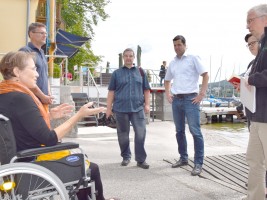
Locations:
(184, 95)
(37, 33)
(129, 99)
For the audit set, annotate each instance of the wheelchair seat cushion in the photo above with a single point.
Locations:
(69, 168)
(53, 155)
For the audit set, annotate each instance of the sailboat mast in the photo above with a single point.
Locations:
(210, 76)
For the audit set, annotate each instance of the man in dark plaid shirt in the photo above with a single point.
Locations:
(129, 99)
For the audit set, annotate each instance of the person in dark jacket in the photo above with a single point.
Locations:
(257, 145)
(162, 72)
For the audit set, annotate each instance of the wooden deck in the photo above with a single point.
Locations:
(228, 170)
(217, 113)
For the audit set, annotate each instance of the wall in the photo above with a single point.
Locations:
(13, 23)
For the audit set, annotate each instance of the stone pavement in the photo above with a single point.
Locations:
(160, 182)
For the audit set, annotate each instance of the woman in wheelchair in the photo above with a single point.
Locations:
(30, 121)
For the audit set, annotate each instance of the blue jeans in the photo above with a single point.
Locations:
(183, 107)
(138, 122)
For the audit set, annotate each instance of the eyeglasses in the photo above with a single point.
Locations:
(41, 33)
(251, 44)
(249, 21)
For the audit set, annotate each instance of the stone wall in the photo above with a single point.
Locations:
(65, 97)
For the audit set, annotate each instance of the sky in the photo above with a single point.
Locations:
(214, 30)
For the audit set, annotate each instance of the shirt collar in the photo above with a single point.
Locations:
(129, 68)
(31, 45)
(184, 55)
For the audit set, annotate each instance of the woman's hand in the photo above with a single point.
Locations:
(63, 110)
(87, 110)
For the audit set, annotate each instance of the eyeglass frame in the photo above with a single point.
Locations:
(249, 21)
(252, 43)
(42, 33)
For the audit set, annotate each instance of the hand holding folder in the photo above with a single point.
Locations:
(248, 95)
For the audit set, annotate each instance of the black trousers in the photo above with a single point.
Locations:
(95, 176)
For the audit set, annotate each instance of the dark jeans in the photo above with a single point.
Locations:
(161, 81)
(123, 130)
(182, 107)
(95, 176)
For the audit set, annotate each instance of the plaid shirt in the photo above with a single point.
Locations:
(128, 86)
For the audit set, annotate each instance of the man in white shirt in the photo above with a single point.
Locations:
(185, 97)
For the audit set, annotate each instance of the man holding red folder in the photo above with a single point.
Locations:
(257, 146)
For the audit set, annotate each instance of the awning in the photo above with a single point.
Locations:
(66, 50)
(65, 39)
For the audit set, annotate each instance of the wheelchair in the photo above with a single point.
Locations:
(54, 179)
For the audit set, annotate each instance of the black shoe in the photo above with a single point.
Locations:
(180, 163)
(196, 170)
(143, 165)
(125, 162)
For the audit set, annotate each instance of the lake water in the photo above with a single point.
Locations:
(236, 134)
(236, 128)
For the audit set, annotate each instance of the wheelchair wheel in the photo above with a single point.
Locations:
(21, 181)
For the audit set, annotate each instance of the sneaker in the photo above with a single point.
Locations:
(196, 170)
(143, 165)
(125, 162)
(180, 163)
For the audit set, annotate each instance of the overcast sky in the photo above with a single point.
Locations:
(214, 30)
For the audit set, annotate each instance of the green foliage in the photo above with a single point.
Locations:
(83, 13)
(56, 73)
(79, 17)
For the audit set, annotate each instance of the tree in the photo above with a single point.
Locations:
(79, 17)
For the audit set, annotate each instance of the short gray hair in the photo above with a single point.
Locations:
(260, 10)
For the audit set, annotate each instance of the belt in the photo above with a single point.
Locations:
(184, 95)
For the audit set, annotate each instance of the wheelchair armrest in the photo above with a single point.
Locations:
(42, 150)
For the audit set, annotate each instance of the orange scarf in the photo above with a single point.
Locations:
(7, 86)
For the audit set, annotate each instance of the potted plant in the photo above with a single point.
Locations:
(56, 75)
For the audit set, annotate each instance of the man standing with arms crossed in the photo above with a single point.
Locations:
(257, 145)
(185, 98)
(37, 34)
(129, 99)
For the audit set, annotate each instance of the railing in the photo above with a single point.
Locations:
(155, 79)
(102, 76)
(90, 77)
